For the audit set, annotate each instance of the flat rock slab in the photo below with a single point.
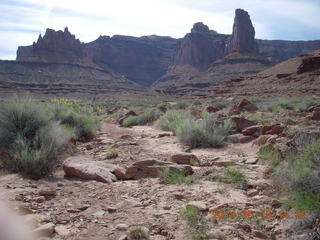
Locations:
(185, 158)
(152, 168)
(88, 169)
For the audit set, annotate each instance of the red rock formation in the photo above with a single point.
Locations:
(55, 47)
(200, 47)
(242, 39)
(202, 58)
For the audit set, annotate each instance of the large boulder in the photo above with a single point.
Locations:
(185, 158)
(241, 123)
(243, 105)
(88, 169)
(253, 131)
(152, 168)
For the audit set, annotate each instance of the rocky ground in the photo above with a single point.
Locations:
(71, 208)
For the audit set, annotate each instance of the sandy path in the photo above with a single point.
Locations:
(92, 210)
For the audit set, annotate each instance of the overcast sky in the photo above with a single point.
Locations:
(21, 21)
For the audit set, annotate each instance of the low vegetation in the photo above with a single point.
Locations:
(234, 176)
(172, 119)
(83, 125)
(194, 133)
(146, 117)
(174, 177)
(304, 175)
(34, 134)
(205, 133)
(112, 153)
(181, 105)
(138, 233)
(271, 155)
(31, 138)
(198, 225)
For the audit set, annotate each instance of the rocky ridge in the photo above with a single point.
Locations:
(200, 59)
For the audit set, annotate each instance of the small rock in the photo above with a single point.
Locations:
(25, 210)
(234, 138)
(242, 123)
(212, 109)
(252, 161)
(261, 140)
(153, 168)
(99, 213)
(276, 129)
(252, 131)
(123, 237)
(246, 139)
(259, 234)
(111, 209)
(246, 227)
(89, 147)
(47, 192)
(122, 227)
(201, 206)
(272, 139)
(185, 158)
(161, 135)
(40, 199)
(252, 193)
(178, 196)
(46, 230)
(222, 163)
(62, 230)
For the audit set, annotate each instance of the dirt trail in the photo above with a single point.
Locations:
(93, 210)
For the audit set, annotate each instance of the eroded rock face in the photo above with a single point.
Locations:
(242, 39)
(55, 47)
(148, 59)
(200, 47)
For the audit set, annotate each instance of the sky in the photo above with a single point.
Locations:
(21, 21)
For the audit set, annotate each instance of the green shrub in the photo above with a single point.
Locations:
(198, 226)
(181, 105)
(234, 176)
(146, 117)
(174, 177)
(196, 103)
(84, 125)
(138, 233)
(219, 104)
(304, 174)
(255, 118)
(270, 154)
(112, 153)
(30, 137)
(172, 119)
(206, 133)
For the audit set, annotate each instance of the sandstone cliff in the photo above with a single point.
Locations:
(55, 47)
(202, 58)
(242, 38)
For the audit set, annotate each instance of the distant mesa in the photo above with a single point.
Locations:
(203, 57)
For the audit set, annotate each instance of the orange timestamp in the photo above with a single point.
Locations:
(252, 214)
